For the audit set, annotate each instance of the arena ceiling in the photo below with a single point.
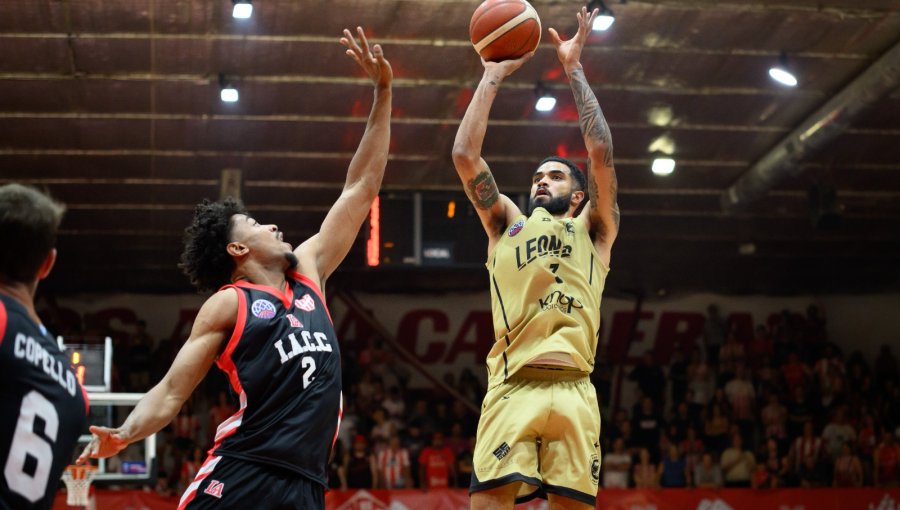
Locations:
(114, 107)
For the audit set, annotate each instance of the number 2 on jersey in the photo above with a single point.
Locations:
(27, 443)
(310, 365)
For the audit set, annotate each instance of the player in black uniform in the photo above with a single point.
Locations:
(44, 407)
(269, 330)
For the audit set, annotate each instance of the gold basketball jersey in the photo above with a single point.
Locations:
(546, 282)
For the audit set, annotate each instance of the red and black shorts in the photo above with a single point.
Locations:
(228, 483)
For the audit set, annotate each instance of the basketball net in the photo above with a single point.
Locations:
(78, 483)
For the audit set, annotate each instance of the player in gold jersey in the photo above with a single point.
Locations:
(539, 431)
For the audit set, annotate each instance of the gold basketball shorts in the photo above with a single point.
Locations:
(541, 427)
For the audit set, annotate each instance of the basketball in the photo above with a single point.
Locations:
(504, 29)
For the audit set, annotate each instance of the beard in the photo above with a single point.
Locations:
(291, 260)
(556, 205)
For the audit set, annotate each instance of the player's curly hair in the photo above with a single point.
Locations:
(205, 259)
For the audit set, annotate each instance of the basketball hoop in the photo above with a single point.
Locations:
(78, 483)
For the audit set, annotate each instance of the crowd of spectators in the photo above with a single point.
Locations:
(783, 408)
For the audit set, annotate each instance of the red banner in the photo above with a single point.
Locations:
(457, 499)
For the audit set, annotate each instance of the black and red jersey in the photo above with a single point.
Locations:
(44, 411)
(284, 363)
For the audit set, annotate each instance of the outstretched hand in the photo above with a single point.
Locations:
(569, 52)
(505, 68)
(371, 60)
(105, 442)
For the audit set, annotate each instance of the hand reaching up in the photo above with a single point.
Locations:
(569, 52)
(371, 60)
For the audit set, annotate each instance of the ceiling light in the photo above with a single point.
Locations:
(605, 18)
(243, 9)
(662, 145)
(782, 72)
(660, 115)
(228, 94)
(545, 101)
(663, 166)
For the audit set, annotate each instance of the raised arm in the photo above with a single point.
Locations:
(320, 255)
(602, 212)
(159, 406)
(494, 209)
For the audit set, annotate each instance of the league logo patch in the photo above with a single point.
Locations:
(516, 228)
(262, 309)
(305, 303)
(293, 320)
(215, 488)
(595, 469)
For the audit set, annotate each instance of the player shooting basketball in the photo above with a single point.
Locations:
(540, 424)
(269, 330)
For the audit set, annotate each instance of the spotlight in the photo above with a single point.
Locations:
(228, 94)
(605, 18)
(782, 73)
(545, 101)
(243, 9)
(663, 165)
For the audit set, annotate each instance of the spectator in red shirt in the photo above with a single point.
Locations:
(763, 478)
(437, 464)
(760, 347)
(887, 462)
(794, 372)
(868, 438)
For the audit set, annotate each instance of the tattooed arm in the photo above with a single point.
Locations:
(602, 212)
(494, 209)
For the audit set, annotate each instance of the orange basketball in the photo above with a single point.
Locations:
(504, 29)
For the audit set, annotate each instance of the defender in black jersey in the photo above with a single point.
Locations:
(44, 407)
(269, 330)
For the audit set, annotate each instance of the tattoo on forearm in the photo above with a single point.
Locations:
(593, 192)
(593, 124)
(482, 190)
